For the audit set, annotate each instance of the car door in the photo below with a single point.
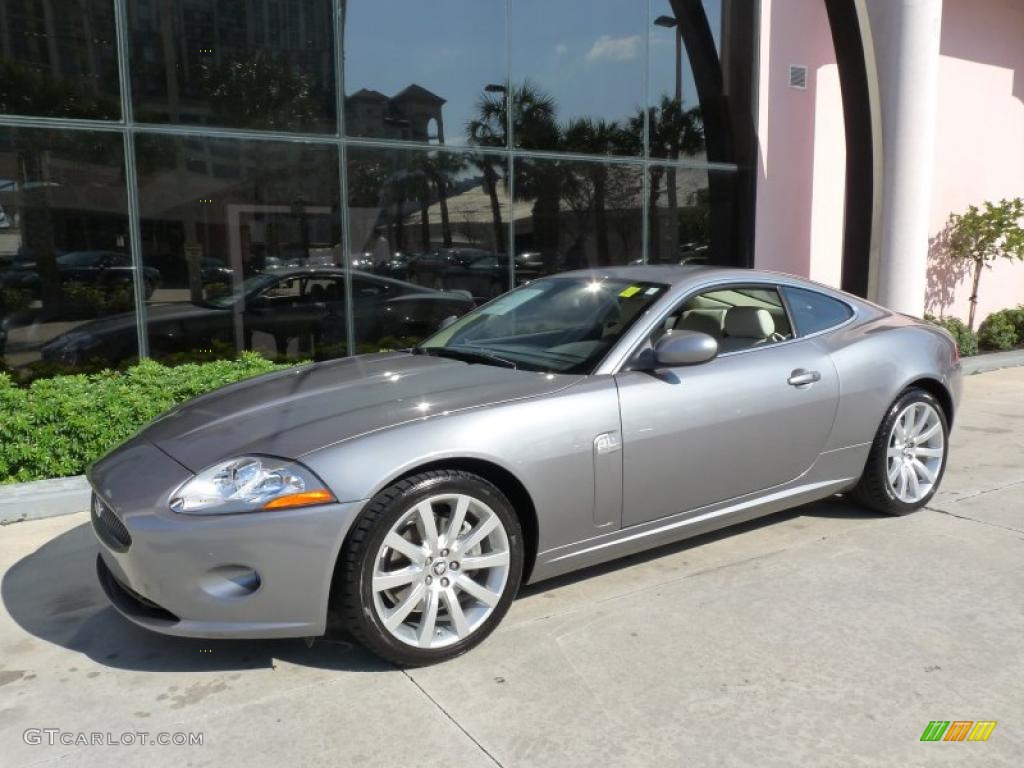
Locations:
(755, 417)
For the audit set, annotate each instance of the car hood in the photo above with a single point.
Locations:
(294, 412)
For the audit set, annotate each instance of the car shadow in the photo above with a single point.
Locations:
(53, 594)
(835, 507)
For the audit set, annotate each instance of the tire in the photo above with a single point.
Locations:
(429, 586)
(876, 489)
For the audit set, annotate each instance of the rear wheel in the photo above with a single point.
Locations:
(908, 456)
(431, 567)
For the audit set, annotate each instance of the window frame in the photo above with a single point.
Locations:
(623, 364)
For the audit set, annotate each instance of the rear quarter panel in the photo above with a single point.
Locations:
(879, 356)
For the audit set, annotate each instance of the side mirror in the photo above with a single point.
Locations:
(447, 322)
(684, 348)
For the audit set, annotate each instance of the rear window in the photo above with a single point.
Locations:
(813, 312)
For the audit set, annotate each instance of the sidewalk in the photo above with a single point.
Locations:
(822, 636)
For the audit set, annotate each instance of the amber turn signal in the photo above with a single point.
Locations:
(303, 499)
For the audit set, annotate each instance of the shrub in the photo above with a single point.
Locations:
(966, 340)
(84, 300)
(57, 426)
(1017, 315)
(999, 331)
(14, 300)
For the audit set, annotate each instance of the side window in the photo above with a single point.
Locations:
(324, 290)
(813, 312)
(738, 317)
(288, 288)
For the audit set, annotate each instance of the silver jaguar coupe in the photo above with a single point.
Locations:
(407, 495)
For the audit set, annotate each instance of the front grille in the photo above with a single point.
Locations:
(108, 526)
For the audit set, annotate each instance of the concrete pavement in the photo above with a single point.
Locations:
(822, 636)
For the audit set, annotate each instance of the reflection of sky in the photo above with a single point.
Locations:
(588, 54)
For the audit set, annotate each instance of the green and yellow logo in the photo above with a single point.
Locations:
(958, 730)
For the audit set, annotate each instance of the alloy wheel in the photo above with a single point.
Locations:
(441, 570)
(917, 445)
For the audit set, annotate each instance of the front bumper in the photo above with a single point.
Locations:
(258, 575)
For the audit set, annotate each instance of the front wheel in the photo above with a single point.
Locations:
(908, 456)
(431, 567)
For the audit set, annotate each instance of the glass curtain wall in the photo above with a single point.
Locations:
(187, 179)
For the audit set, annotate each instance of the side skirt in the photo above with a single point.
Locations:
(820, 481)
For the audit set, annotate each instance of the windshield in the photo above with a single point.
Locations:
(557, 324)
(79, 259)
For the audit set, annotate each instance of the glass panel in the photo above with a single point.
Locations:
(575, 214)
(693, 216)
(436, 225)
(246, 238)
(813, 312)
(420, 71)
(59, 59)
(678, 131)
(234, 63)
(64, 253)
(578, 75)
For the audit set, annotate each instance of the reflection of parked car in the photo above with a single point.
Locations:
(397, 266)
(483, 275)
(215, 271)
(428, 268)
(99, 268)
(305, 304)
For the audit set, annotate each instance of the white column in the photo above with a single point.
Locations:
(906, 40)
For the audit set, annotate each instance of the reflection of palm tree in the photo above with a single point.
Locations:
(534, 127)
(672, 130)
(596, 137)
(420, 187)
(443, 167)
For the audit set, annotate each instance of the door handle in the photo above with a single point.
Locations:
(802, 378)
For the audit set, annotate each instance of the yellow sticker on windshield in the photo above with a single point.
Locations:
(633, 290)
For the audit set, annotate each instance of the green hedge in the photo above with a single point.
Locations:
(1002, 330)
(55, 427)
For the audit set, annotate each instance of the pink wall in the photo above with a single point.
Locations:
(802, 148)
(980, 141)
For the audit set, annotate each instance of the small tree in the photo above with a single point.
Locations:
(982, 236)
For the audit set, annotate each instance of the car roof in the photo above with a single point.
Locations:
(682, 277)
(672, 274)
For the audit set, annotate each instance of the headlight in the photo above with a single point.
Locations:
(250, 484)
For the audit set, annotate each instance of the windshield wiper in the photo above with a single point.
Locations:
(466, 354)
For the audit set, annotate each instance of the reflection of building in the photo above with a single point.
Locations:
(43, 35)
(413, 114)
(175, 41)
